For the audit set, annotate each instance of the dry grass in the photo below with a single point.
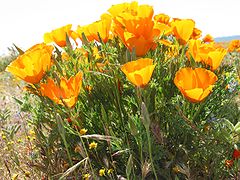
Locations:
(15, 151)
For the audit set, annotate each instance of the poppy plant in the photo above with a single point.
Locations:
(32, 65)
(101, 27)
(195, 84)
(134, 26)
(208, 38)
(209, 54)
(183, 29)
(66, 92)
(139, 72)
(59, 35)
(215, 58)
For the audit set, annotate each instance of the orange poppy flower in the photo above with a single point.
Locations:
(162, 18)
(133, 24)
(195, 84)
(67, 91)
(197, 33)
(139, 72)
(183, 29)
(102, 27)
(234, 45)
(210, 54)
(118, 9)
(208, 38)
(215, 58)
(194, 49)
(32, 65)
(59, 35)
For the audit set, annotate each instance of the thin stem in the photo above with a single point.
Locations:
(150, 153)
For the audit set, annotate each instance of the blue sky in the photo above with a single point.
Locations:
(24, 22)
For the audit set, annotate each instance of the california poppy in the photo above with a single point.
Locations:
(133, 24)
(32, 65)
(208, 38)
(195, 84)
(197, 33)
(59, 35)
(101, 27)
(209, 54)
(162, 18)
(215, 58)
(66, 92)
(139, 72)
(183, 29)
(234, 45)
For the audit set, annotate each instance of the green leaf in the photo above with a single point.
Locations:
(68, 43)
(145, 116)
(229, 124)
(84, 39)
(20, 51)
(129, 166)
(237, 126)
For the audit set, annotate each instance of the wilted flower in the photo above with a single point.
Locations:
(139, 72)
(67, 91)
(195, 84)
(32, 65)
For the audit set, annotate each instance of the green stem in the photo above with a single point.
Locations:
(150, 153)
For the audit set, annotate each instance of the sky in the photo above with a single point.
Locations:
(24, 22)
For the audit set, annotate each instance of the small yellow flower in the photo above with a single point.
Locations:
(27, 173)
(83, 131)
(102, 172)
(19, 141)
(10, 143)
(86, 176)
(31, 132)
(4, 137)
(15, 176)
(110, 171)
(93, 145)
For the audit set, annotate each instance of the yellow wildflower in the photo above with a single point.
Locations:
(93, 145)
(83, 131)
(27, 173)
(102, 172)
(14, 177)
(86, 176)
(110, 171)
